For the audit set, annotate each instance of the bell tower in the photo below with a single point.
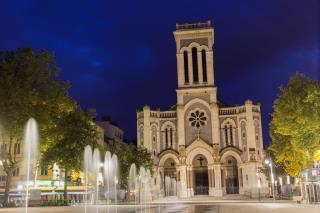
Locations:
(194, 54)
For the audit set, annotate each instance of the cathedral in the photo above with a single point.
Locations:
(208, 147)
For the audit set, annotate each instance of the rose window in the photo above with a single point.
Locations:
(197, 118)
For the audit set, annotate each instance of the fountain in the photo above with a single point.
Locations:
(106, 171)
(87, 167)
(31, 150)
(132, 182)
(143, 186)
(170, 186)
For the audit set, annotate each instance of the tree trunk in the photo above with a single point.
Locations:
(7, 187)
(65, 193)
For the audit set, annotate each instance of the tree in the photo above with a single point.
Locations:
(278, 169)
(295, 124)
(76, 131)
(128, 154)
(29, 87)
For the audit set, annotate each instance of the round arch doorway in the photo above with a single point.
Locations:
(200, 175)
(231, 175)
(170, 177)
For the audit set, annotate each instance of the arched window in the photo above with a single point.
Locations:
(226, 134)
(171, 138)
(257, 134)
(141, 136)
(243, 135)
(186, 67)
(195, 65)
(166, 135)
(231, 135)
(204, 65)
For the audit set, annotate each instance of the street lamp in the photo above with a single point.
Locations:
(269, 163)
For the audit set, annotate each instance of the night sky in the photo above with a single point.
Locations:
(120, 55)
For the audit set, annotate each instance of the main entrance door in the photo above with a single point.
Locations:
(200, 175)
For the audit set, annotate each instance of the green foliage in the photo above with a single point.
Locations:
(128, 154)
(29, 87)
(295, 125)
(278, 168)
(75, 130)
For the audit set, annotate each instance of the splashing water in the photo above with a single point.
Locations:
(31, 153)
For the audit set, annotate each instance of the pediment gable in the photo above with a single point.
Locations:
(197, 144)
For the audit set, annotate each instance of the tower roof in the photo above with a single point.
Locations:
(194, 25)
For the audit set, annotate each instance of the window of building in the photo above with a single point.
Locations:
(231, 135)
(141, 136)
(195, 65)
(186, 68)
(197, 118)
(15, 172)
(204, 66)
(3, 178)
(166, 135)
(226, 134)
(44, 171)
(171, 138)
(17, 148)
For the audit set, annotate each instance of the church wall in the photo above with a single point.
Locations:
(245, 141)
(205, 131)
(187, 98)
(235, 136)
(163, 124)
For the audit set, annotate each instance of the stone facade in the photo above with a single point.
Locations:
(208, 147)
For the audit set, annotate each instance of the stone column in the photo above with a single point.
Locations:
(146, 129)
(200, 70)
(180, 125)
(215, 123)
(209, 59)
(180, 69)
(188, 180)
(211, 180)
(217, 180)
(183, 181)
(190, 68)
(251, 142)
(191, 181)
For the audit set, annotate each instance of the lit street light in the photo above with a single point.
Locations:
(269, 163)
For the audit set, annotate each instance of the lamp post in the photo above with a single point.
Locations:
(269, 163)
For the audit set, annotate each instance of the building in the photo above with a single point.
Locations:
(310, 185)
(208, 147)
(111, 131)
(50, 181)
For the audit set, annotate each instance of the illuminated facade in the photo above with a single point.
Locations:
(208, 147)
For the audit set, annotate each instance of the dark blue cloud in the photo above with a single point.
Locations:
(120, 55)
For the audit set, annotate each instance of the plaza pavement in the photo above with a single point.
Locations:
(211, 207)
